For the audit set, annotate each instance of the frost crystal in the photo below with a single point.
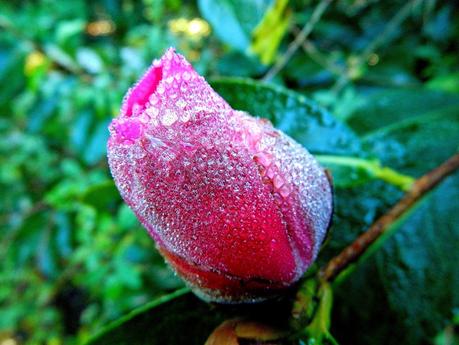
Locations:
(238, 208)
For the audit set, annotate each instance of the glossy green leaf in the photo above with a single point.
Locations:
(417, 144)
(409, 289)
(389, 106)
(171, 319)
(181, 318)
(410, 285)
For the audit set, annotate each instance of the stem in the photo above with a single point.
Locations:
(318, 330)
(360, 246)
(298, 41)
(373, 168)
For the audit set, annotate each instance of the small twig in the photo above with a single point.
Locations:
(296, 43)
(317, 56)
(420, 187)
(321, 59)
(393, 24)
(374, 44)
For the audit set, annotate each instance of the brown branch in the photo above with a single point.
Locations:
(420, 187)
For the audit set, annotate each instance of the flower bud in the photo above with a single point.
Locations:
(236, 207)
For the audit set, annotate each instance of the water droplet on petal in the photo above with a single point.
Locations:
(153, 99)
(186, 76)
(278, 181)
(185, 116)
(169, 117)
(284, 191)
(180, 103)
(152, 111)
(160, 89)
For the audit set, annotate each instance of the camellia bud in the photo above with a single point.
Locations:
(236, 207)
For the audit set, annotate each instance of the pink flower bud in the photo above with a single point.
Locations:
(236, 207)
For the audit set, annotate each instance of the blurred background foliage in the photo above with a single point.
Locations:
(72, 255)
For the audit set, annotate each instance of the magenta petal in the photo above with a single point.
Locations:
(137, 99)
(238, 208)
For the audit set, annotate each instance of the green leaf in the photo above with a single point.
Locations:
(177, 318)
(417, 144)
(101, 195)
(11, 74)
(234, 20)
(61, 57)
(410, 286)
(389, 106)
(448, 83)
(355, 209)
(96, 146)
(409, 289)
(292, 113)
(69, 28)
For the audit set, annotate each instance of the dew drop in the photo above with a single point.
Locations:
(278, 181)
(180, 103)
(186, 76)
(136, 152)
(153, 99)
(169, 118)
(161, 89)
(185, 116)
(284, 191)
(152, 111)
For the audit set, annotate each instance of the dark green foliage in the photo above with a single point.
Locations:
(173, 322)
(181, 318)
(410, 287)
(419, 143)
(384, 107)
(73, 257)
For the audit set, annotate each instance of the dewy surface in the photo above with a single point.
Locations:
(238, 208)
